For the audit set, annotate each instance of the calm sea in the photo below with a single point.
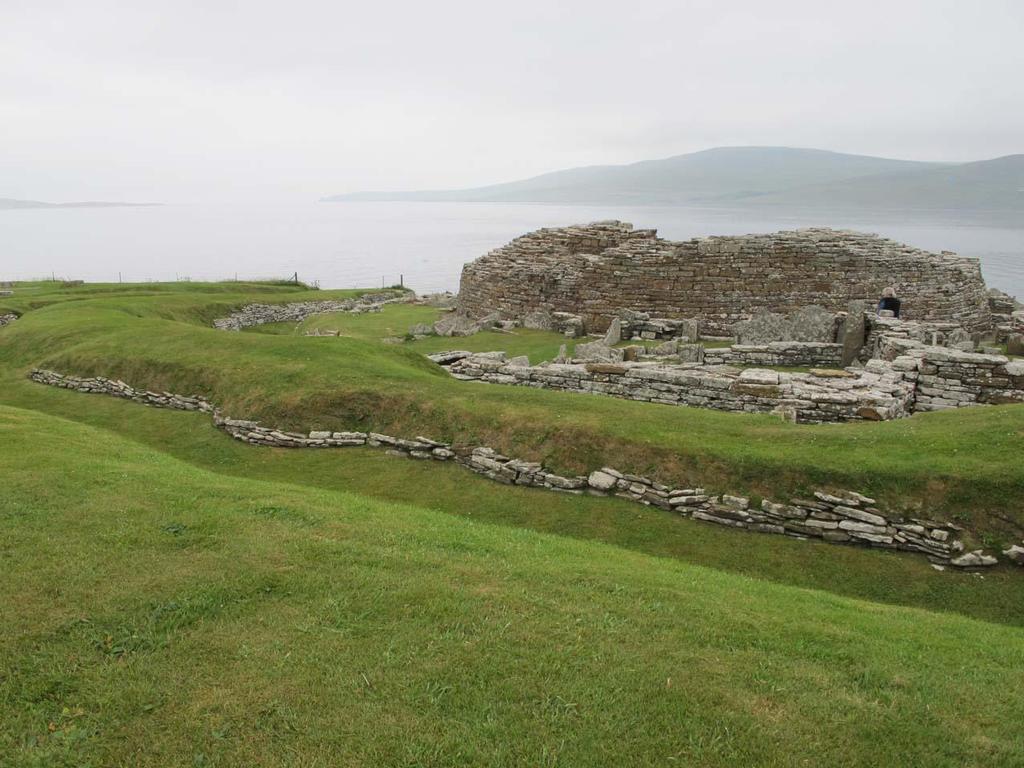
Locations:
(426, 244)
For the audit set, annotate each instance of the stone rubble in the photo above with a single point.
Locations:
(641, 326)
(7, 318)
(442, 300)
(259, 314)
(840, 517)
(1015, 554)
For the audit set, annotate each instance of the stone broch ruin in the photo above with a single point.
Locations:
(598, 270)
(798, 299)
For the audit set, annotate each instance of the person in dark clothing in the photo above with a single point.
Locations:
(889, 302)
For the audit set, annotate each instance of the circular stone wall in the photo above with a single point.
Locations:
(597, 270)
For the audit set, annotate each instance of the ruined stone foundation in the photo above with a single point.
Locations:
(598, 270)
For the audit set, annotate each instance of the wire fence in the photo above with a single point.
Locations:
(364, 280)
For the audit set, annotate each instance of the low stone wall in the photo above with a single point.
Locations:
(8, 318)
(778, 353)
(876, 393)
(260, 314)
(919, 378)
(842, 517)
(104, 386)
(949, 378)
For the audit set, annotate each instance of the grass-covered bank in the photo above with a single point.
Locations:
(161, 614)
(963, 464)
(874, 575)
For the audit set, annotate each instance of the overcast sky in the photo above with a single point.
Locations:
(177, 101)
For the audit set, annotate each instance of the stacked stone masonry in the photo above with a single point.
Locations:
(7, 318)
(777, 353)
(949, 378)
(259, 314)
(919, 379)
(840, 517)
(876, 393)
(600, 269)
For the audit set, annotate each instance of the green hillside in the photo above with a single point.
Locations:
(160, 614)
(175, 597)
(961, 464)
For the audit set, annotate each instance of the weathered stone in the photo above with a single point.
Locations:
(1015, 553)
(691, 353)
(759, 376)
(860, 514)
(975, 559)
(852, 333)
(614, 333)
(597, 351)
(450, 356)
(855, 525)
(810, 323)
(454, 324)
(539, 320)
(602, 481)
(736, 502)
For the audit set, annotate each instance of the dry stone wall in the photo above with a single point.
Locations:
(949, 378)
(907, 376)
(840, 517)
(6, 319)
(875, 393)
(260, 314)
(600, 269)
(777, 353)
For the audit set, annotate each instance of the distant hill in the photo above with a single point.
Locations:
(7, 203)
(711, 176)
(987, 185)
(759, 176)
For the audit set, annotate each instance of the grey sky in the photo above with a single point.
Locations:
(179, 100)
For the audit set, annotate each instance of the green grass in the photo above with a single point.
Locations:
(157, 613)
(872, 575)
(395, 321)
(961, 464)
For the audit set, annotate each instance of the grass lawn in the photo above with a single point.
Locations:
(395, 320)
(157, 613)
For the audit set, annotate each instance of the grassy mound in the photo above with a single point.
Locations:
(160, 614)
(962, 465)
